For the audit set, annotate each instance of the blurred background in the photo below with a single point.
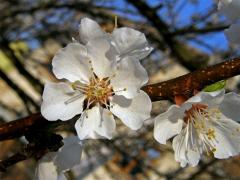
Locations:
(186, 35)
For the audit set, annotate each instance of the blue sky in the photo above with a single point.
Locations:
(216, 40)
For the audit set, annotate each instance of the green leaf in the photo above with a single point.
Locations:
(215, 87)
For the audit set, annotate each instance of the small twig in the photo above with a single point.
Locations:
(22, 95)
(39, 144)
(11, 160)
(5, 46)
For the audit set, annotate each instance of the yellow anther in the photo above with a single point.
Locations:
(98, 91)
(73, 85)
(211, 134)
(212, 151)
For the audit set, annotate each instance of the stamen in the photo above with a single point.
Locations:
(109, 78)
(82, 118)
(105, 103)
(200, 117)
(124, 89)
(96, 91)
(115, 22)
(72, 99)
(211, 134)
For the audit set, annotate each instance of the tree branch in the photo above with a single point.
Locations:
(195, 30)
(186, 85)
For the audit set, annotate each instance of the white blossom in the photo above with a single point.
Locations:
(52, 165)
(222, 3)
(232, 34)
(206, 123)
(125, 41)
(103, 77)
(230, 8)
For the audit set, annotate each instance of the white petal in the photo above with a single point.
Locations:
(134, 111)
(95, 123)
(230, 106)
(212, 99)
(222, 3)
(129, 42)
(85, 124)
(131, 75)
(46, 168)
(230, 9)
(54, 97)
(72, 63)
(105, 125)
(232, 34)
(61, 176)
(168, 124)
(97, 50)
(70, 154)
(183, 153)
(227, 138)
(89, 29)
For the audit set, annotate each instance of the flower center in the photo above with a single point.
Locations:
(196, 108)
(200, 117)
(97, 91)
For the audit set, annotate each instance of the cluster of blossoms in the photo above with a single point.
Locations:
(103, 78)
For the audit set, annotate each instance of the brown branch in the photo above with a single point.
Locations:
(186, 85)
(19, 127)
(36, 148)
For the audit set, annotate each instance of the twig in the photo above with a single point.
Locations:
(4, 44)
(38, 146)
(22, 95)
